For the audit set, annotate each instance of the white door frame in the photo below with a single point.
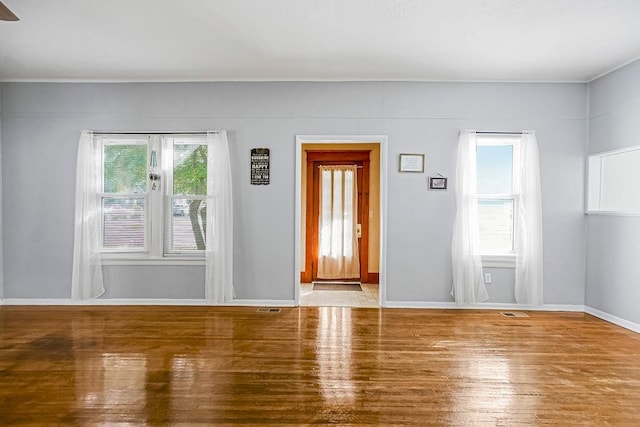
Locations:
(344, 139)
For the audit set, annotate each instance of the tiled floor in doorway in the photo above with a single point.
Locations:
(368, 297)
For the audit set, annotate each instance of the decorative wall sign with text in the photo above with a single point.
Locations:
(412, 163)
(259, 166)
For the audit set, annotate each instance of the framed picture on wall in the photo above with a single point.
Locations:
(437, 182)
(412, 163)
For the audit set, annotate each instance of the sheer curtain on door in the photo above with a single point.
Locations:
(338, 243)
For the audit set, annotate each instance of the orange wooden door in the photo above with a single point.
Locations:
(315, 159)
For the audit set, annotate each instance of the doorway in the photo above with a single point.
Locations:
(337, 220)
(318, 156)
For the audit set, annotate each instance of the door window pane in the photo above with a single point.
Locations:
(326, 213)
(337, 213)
(349, 211)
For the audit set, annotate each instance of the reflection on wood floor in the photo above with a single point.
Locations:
(336, 365)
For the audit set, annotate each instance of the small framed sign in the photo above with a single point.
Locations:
(437, 182)
(412, 163)
(260, 166)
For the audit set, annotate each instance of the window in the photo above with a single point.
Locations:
(496, 161)
(124, 194)
(498, 219)
(153, 194)
(187, 188)
(613, 182)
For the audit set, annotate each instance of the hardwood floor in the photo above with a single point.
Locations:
(313, 365)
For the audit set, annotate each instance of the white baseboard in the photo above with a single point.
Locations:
(483, 306)
(632, 326)
(263, 303)
(108, 301)
(145, 301)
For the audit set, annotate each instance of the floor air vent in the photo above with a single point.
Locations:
(514, 314)
(268, 310)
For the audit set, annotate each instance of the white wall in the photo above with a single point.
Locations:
(41, 125)
(613, 242)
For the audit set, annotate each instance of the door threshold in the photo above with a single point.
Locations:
(336, 282)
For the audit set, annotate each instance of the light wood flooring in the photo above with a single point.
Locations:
(314, 365)
(367, 297)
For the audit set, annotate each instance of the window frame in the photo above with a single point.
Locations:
(593, 202)
(103, 141)
(503, 259)
(158, 204)
(168, 142)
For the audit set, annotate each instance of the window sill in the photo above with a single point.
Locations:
(499, 261)
(166, 261)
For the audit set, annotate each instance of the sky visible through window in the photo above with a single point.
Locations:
(495, 169)
(495, 177)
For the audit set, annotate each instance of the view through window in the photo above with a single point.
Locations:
(497, 201)
(153, 194)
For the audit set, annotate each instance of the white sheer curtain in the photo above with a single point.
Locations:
(338, 256)
(87, 281)
(219, 232)
(528, 240)
(1, 235)
(468, 283)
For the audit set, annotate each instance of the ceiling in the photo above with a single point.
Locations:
(318, 40)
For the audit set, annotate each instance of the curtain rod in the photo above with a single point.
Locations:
(155, 133)
(501, 133)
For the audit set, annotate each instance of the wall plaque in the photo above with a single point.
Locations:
(412, 163)
(259, 166)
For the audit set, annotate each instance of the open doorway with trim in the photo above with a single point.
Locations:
(339, 233)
